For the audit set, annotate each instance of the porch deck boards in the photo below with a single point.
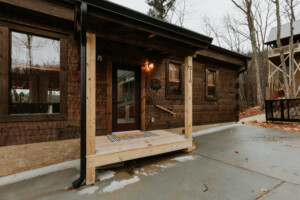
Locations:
(108, 152)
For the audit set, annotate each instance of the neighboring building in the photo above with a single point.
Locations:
(142, 74)
(275, 81)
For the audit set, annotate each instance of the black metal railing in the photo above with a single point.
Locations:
(283, 110)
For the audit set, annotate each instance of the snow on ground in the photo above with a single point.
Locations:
(88, 190)
(184, 158)
(106, 175)
(116, 185)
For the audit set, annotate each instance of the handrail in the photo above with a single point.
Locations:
(165, 109)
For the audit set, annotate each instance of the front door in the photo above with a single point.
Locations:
(126, 98)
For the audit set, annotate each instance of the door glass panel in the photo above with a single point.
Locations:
(125, 97)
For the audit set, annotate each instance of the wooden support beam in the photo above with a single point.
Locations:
(143, 98)
(188, 97)
(90, 101)
(220, 56)
(109, 97)
(45, 7)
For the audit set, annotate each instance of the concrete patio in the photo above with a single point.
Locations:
(230, 162)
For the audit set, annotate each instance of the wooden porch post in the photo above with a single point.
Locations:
(188, 97)
(90, 102)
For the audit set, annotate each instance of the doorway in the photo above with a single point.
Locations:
(126, 98)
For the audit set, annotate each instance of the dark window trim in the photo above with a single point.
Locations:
(181, 75)
(215, 97)
(5, 59)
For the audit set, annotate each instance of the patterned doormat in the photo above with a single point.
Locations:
(115, 137)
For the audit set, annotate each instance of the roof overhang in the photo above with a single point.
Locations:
(113, 12)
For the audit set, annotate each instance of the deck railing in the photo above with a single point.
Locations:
(283, 110)
(286, 50)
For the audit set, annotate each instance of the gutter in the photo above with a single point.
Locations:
(83, 22)
(246, 66)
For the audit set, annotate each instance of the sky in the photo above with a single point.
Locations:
(214, 9)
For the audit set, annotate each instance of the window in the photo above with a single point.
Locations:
(33, 73)
(174, 78)
(211, 86)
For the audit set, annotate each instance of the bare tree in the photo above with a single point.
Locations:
(278, 42)
(289, 10)
(212, 30)
(246, 7)
(180, 12)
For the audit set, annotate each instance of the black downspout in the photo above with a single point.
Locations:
(83, 19)
(246, 66)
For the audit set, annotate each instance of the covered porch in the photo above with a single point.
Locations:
(108, 38)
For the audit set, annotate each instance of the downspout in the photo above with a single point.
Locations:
(83, 20)
(246, 66)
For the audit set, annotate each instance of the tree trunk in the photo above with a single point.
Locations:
(260, 97)
(285, 80)
(292, 67)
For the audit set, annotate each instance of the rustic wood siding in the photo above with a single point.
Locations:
(224, 109)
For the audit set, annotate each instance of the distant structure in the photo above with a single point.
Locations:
(275, 81)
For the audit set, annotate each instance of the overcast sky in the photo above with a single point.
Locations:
(214, 9)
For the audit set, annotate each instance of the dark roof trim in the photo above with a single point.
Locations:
(232, 53)
(142, 18)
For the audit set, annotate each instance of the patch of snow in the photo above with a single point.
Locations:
(106, 175)
(166, 166)
(116, 185)
(184, 158)
(88, 190)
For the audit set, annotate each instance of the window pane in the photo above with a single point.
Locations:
(174, 74)
(211, 83)
(126, 97)
(35, 72)
(210, 78)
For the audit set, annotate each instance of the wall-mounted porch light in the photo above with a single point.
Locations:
(150, 65)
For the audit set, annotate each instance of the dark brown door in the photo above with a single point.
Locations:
(126, 98)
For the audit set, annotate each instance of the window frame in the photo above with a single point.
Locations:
(5, 75)
(216, 72)
(181, 76)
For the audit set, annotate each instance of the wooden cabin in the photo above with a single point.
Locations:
(98, 78)
(275, 81)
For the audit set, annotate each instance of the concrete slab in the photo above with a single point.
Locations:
(173, 176)
(270, 152)
(285, 191)
(235, 163)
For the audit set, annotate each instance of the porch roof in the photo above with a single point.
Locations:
(119, 14)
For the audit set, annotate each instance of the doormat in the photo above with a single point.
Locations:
(130, 135)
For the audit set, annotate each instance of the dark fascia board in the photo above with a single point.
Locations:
(226, 51)
(143, 18)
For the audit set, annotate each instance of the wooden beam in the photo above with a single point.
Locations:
(90, 101)
(143, 98)
(134, 153)
(109, 97)
(4, 70)
(45, 7)
(188, 97)
(221, 56)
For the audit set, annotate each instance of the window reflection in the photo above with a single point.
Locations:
(35, 74)
(126, 96)
(174, 79)
(211, 83)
